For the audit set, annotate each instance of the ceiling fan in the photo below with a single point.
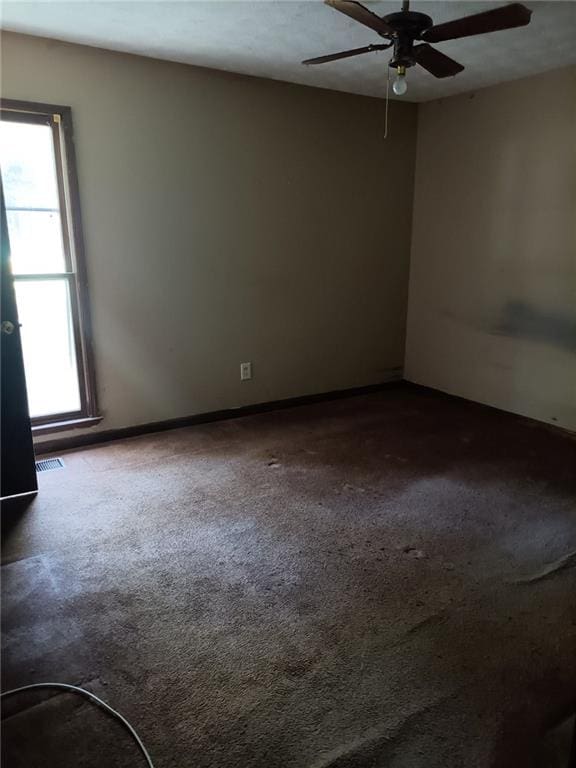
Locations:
(404, 28)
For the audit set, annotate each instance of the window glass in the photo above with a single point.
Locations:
(31, 196)
(48, 346)
(28, 165)
(35, 242)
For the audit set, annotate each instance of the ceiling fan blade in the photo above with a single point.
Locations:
(507, 17)
(437, 63)
(359, 13)
(346, 54)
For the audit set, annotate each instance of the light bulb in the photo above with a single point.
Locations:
(400, 86)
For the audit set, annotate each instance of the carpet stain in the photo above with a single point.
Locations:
(418, 554)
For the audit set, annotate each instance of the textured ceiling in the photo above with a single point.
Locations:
(269, 38)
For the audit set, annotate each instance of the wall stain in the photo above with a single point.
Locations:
(523, 320)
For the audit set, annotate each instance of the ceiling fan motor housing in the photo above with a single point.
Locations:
(408, 26)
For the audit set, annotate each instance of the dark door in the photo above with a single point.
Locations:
(18, 464)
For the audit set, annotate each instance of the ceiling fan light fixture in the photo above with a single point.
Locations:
(400, 85)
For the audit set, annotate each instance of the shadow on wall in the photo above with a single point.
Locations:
(523, 320)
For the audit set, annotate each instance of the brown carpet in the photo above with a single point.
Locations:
(384, 580)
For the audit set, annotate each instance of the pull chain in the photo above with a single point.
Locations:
(387, 99)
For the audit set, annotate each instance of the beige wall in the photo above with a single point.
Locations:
(492, 307)
(229, 219)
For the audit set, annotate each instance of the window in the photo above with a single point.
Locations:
(41, 196)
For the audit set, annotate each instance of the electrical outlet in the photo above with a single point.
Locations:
(245, 371)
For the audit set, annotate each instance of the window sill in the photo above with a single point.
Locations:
(61, 426)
